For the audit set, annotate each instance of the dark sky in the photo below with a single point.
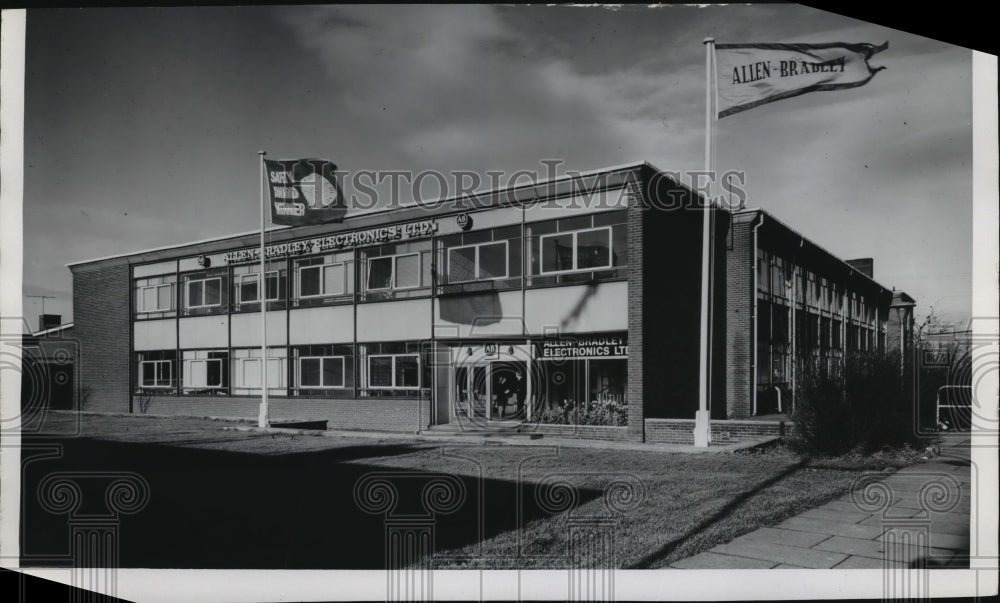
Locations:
(142, 125)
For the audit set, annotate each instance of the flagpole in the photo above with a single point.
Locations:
(262, 418)
(702, 424)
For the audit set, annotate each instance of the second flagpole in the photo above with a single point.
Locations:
(702, 423)
(262, 418)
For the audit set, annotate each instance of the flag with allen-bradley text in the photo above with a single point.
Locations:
(304, 191)
(750, 75)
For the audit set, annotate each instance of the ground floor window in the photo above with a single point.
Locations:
(156, 372)
(582, 380)
(391, 369)
(323, 370)
(246, 371)
(206, 372)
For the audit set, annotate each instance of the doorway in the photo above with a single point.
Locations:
(490, 383)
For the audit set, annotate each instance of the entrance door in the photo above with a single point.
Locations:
(509, 387)
(471, 392)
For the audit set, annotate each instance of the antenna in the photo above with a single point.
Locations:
(43, 298)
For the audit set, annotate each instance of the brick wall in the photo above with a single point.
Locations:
(399, 415)
(636, 289)
(587, 432)
(680, 431)
(739, 318)
(101, 324)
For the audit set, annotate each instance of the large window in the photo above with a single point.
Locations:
(485, 261)
(323, 370)
(206, 371)
(395, 270)
(155, 297)
(582, 380)
(579, 249)
(156, 372)
(247, 375)
(205, 292)
(324, 279)
(247, 290)
(391, 369)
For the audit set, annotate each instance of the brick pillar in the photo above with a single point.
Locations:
(101, 323)
(636, 416)
(740, 266)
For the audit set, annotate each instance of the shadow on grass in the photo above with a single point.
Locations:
(667, 549)
(236, 510)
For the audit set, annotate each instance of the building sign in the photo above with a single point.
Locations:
(585, 347)
(347, 240)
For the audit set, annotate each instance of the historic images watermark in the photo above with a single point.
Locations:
(367, 190)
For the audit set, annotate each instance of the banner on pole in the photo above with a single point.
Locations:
(304, 191)
(749, 75)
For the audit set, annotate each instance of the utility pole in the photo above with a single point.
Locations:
(43, 298)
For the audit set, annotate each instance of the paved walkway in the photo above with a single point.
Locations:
(929, 506)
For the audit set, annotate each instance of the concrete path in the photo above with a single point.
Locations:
(918, 516)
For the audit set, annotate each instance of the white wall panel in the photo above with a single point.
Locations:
(155, 335)
(577, 309)
(329, 324)
(246, 329)
(204, 332)
(394, 321)
(478, 315)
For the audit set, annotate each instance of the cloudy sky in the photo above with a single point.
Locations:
(142, 125)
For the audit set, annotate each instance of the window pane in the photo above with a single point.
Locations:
(461, 264)
(380, 371)
(592, 249)
(251, 372)
(408, 271)
(333, 372)
(493, 260)
(271, 284)
(406, 371)
(309, 367)
(380, 273)
(212, 292)
(557, 253)
(333, 279)
(248, 288)
(163, 373)
(309, 281)
(274, 373)
(148, 373)
(213, 373)
(194, 293)
(196, 374)
(148, 300)
(163, 296)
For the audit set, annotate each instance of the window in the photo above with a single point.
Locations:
(321, 371)
(206, 371)
(579, 250)
(394, 272)
(155, 372)
(394, 371)
(155, 295)
(247, 285)
(204, 292)
(323, 279)
(246, 371)
(486, 261)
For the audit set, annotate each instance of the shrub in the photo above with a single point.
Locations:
(861, 403)
(587, 413)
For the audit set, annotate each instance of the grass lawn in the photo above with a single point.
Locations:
(287, 501)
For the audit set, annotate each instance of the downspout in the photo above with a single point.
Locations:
(753, 360)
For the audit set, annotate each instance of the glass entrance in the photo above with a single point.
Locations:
(490, 382)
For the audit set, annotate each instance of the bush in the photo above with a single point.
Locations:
(592, 413)
(859, 404)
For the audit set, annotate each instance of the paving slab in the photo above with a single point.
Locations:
(831, 528)
(832, 515)
(938, 540)
(857, 562)
(711, 560)
(794, 538)
(810, 558)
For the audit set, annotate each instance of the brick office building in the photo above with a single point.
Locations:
(567, 291)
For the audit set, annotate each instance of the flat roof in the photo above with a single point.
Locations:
(440, 208)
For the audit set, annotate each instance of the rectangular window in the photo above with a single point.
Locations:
(247, 287)
(394, 272)
(321, 280)
(485, 261)
(579, 250)
(155, 295)
(321, 371)
(206, 371)
(204, 293)
(156, 373)
(399, 371)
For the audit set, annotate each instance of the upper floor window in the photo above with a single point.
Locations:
(247, 289)
(395, 270)
(205, 292)
(484, 261)
(324, 279)
(480, 259)
(579, 249)
(155, 297)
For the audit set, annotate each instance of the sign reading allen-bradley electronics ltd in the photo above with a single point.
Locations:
(584, 347)
(347, 240)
